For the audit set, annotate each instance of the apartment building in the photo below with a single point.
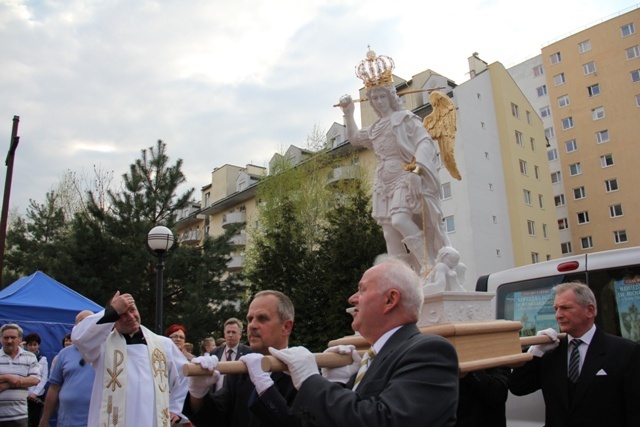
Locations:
(586, 90)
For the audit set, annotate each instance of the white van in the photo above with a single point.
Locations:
(525, 294)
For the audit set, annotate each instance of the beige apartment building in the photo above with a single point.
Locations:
(586, 89)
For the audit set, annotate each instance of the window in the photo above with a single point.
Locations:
(445, 191)
(571, 145)
(559, 79)
(594, 90)
(589, 68)
(450, 224)
(565, 248)
(567, 123)
(578, 193)
(583, 217)
(528, 116)
(519, 138)
(584, 46)
(541, 201)
(586, 242)
(556, 177)
(523, 167)
(514, 110)
(527, 197)
(536, 171)
(606, 160)
(620, 236)
(615, 211)
(575, 169)
(531, 226)
(637, 100)
(635, 76)
(633, 52)
(545, 111)
(545, 233)
(559, 200)
(552, 154)
(563, 101)
(597, 113)
(541, 90)
(563, 224)
(555, 58)
(602, 136)
(532, 143)
(611, 185)
(549, 133)
(534, 257)
(538, 70)
(627, 30)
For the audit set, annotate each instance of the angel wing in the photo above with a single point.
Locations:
(441, 125)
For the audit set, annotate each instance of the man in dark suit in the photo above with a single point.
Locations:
(258, 398)
(232, 349)
(232, 334)
(598, 383)
(407, 379)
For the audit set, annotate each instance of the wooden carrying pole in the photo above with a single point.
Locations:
(480, 345)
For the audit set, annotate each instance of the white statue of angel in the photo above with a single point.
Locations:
(406, 191)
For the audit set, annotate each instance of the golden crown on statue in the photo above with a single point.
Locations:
(375, 70)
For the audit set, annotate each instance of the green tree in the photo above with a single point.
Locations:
(313, 243)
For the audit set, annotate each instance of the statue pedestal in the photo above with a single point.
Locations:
(445, 307)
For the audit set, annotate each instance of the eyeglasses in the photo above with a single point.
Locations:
(177, 337)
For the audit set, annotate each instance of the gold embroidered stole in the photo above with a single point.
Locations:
(114, 393)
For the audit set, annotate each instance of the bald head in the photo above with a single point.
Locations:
(82, 315)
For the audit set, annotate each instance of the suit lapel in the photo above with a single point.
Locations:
(592, 363)
(392, 345)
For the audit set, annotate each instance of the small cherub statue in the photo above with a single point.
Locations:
(447, 274)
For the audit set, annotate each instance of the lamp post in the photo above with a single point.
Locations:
(159, 242)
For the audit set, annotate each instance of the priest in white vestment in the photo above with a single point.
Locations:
(139, 380)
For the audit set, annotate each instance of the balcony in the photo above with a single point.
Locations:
(340, 175)
(235, 263)
(233, 218)
(191, 237)
(239, 239)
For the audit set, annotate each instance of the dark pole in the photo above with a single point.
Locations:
(13, 145)
(159, 288)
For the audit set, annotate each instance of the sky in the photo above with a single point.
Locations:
(227, 82)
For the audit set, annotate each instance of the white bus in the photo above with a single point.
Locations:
(524, 294)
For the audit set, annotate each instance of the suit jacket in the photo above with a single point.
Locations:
(242, 350)
(412, 381)
(607, 392)
(237, 404)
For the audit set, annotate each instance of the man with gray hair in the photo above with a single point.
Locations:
(19, 370)
(406, 378)
(590, 377)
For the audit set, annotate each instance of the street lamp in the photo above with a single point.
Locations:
(159, 242)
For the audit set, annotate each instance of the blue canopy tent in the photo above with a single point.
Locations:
(41, 305)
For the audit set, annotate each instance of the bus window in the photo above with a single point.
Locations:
(617, 292)
(531, 302)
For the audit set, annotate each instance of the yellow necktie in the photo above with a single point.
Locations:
(364, 365)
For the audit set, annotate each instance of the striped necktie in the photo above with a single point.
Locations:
(229, 355)
(364, 365)
(574, 361)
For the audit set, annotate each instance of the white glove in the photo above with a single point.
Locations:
(539, 349)
(260, 379)
(300, 362)
(343, 373)
(199, 385)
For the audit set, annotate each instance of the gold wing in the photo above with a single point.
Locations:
(441, 125)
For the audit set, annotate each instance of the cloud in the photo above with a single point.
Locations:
(221, 82)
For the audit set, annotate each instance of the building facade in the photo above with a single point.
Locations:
(586, 90)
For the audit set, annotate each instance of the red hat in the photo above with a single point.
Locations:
(171, 329)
